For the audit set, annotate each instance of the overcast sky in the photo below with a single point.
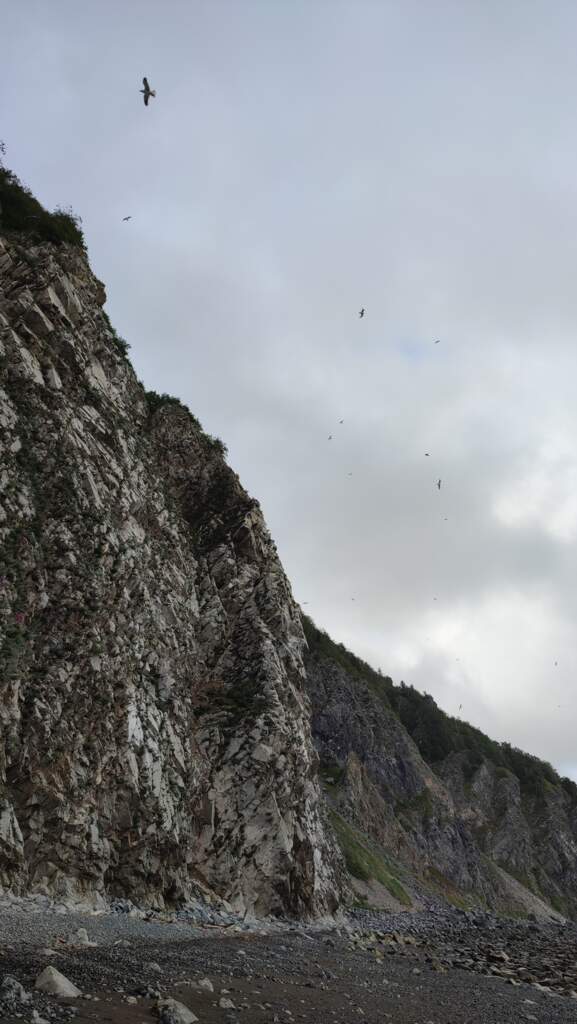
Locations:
(303, 159)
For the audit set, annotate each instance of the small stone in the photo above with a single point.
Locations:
(226, 1004)
(81, 938)
(205, 984)
(154, 967)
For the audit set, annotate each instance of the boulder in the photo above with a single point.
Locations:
(56, 984)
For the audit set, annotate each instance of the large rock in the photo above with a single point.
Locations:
(170, 1011)
(12, 992)
(56, 984)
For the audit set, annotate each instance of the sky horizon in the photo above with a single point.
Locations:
(296, 165)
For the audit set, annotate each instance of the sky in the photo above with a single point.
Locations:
(304, 160)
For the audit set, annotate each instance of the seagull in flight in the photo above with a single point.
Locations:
(362, 312)
(148, 92)
(128, 218)
(438, 485)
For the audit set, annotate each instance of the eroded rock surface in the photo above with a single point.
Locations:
(154, 727)
(475, 837)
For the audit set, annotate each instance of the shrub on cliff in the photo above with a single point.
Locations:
(156, 401)
(20, 211)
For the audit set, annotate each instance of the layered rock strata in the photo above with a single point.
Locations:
(154, 727)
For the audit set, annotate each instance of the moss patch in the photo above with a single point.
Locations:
(441, 885)
(363, 863)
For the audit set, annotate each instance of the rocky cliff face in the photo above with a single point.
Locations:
(473, 835)
(154, 727)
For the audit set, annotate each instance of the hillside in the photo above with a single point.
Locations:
(475, 821)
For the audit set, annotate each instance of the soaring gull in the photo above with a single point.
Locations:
(148, 92)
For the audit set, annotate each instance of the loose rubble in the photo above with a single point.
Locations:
(444, 967)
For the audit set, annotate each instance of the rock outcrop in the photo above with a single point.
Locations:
(475, 834)
(154, 725)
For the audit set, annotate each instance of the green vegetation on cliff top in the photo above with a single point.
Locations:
(20, 211)
(436, 734)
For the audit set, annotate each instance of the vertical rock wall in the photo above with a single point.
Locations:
(154, 727)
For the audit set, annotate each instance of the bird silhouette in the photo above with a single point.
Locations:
(341, 421)
(349, 474)
(148, 92)
(460, 707)
(427, 454)
(330, 437)
(362, 312)
(127, 218)
(437, 342)
(438, 485)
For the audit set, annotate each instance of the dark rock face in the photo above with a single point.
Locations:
(154, 727)
(476, 838)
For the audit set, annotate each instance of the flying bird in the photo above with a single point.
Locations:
(438, 485)
(330, 437)
(128, 218)
(349, 474)
(148, 92)
(437, 342)
(460, 707)
(341, 421)
(427, 454)
(362, 312)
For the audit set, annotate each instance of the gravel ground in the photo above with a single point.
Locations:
(292, 973)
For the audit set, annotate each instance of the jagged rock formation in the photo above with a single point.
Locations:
(475, 832)
(154, 727)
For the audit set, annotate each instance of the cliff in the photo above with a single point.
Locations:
(470, 820)
(162, 721)
(154, 725)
